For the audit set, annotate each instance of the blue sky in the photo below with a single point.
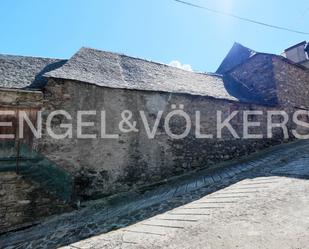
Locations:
(159, 30)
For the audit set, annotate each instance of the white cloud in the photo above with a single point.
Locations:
(181, 66)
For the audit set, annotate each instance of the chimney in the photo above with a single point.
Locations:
(298, 53)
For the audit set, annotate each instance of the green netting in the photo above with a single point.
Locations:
(37, 168)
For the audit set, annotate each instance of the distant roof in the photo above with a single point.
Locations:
(23, 71)
(236, 56)
(303, 43)
(120, 71)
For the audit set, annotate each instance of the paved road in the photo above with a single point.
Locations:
(261, 203)
(265, 212)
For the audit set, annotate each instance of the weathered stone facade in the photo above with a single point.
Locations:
(257, 77)
(273, 80)
(292, 83)
(24, 197)
(106, 166)
(24, 203)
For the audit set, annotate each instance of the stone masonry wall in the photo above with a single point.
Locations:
(24, 203)
(292, 85)
(106, 166)
(258, 77)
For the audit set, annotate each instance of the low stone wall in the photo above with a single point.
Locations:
(23, 203)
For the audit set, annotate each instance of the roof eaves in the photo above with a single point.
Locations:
(233, 99)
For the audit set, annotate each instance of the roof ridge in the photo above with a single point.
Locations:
(145, 60)
(28, 56)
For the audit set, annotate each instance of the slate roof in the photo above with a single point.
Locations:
(120, 71)
(22, 71)
(236, 56)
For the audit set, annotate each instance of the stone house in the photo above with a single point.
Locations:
(98, 80)
(92, 80)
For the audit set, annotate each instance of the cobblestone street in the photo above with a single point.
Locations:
(259, 203)
(264, 212)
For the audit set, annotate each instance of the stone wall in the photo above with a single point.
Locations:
(23, 203)
(106, 166)
(292, 85)
(306, 64)
(273, 80)
(25, 198)
(258, 77)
